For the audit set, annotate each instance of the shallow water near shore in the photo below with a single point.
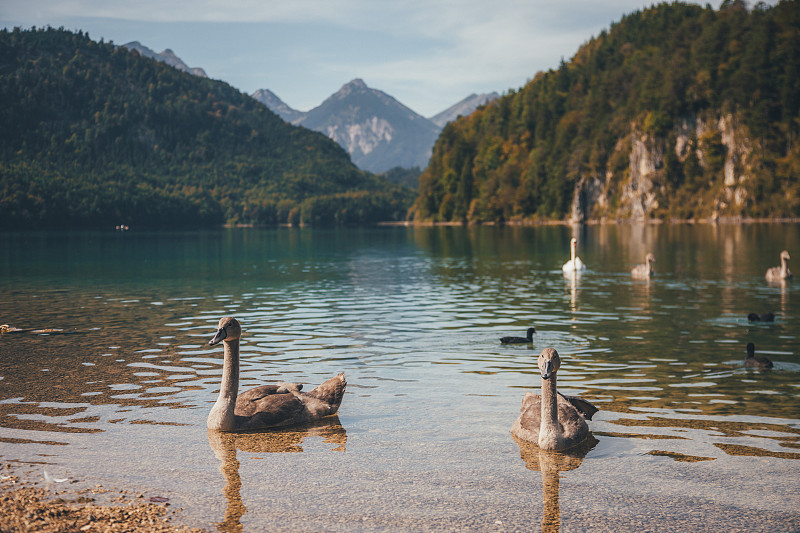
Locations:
(686, 438)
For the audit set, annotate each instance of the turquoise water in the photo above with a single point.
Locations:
(687, 437)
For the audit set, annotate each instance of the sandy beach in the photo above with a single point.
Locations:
(28, 504)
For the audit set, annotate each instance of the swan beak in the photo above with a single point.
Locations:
(547, 370)
(219, 337)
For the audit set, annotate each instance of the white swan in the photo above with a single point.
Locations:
(574, 264)
(782, 272)
(266, 406)
(552, 421)
(646, 270)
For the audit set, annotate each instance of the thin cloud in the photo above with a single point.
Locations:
(427, 53)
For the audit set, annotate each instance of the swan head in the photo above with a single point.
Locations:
(573, 242)
(549, 362)
(650, 258)
(227, 330)
(785, 255)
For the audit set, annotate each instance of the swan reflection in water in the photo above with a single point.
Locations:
(551, 463)
(225, 445)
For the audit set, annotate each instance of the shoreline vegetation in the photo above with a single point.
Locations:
(594, 222)
(514, 223)
(29, 505)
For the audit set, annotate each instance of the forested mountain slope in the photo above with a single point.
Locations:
(95, 134)
(677, 111)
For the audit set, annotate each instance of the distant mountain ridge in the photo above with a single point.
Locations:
(276, 105)
(167, 56)
(463, 108)
(378, 131)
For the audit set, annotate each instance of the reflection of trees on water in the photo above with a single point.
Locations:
(287, 440)
(551, 463)
(737, 435)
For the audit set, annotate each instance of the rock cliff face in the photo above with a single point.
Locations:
(362, 138)
(378, 132)
(737, 169)
(634, 179)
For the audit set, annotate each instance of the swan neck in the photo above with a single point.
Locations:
(572, 251)
(784, 266)
(230, 371)
(549, 400)
(222, 417)
(549, 432)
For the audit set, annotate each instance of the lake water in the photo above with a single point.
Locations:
(687, 438)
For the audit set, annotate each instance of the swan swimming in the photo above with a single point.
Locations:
(267, 406)
(552, 421)
(574, 264)
(782, 272)
(646, 270)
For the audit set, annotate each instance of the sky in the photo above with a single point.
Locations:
(428, 54)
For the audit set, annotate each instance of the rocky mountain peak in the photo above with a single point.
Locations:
(378, 132)
(277, 106)
(357, 83)
(167, 56)
(354, 87)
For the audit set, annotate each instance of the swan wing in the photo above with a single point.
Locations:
(257, 393)
(270, 411)
(640, 271)
(330, 392)
(585, 409)
(526, 426)
(574, 428)
(574, 265)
